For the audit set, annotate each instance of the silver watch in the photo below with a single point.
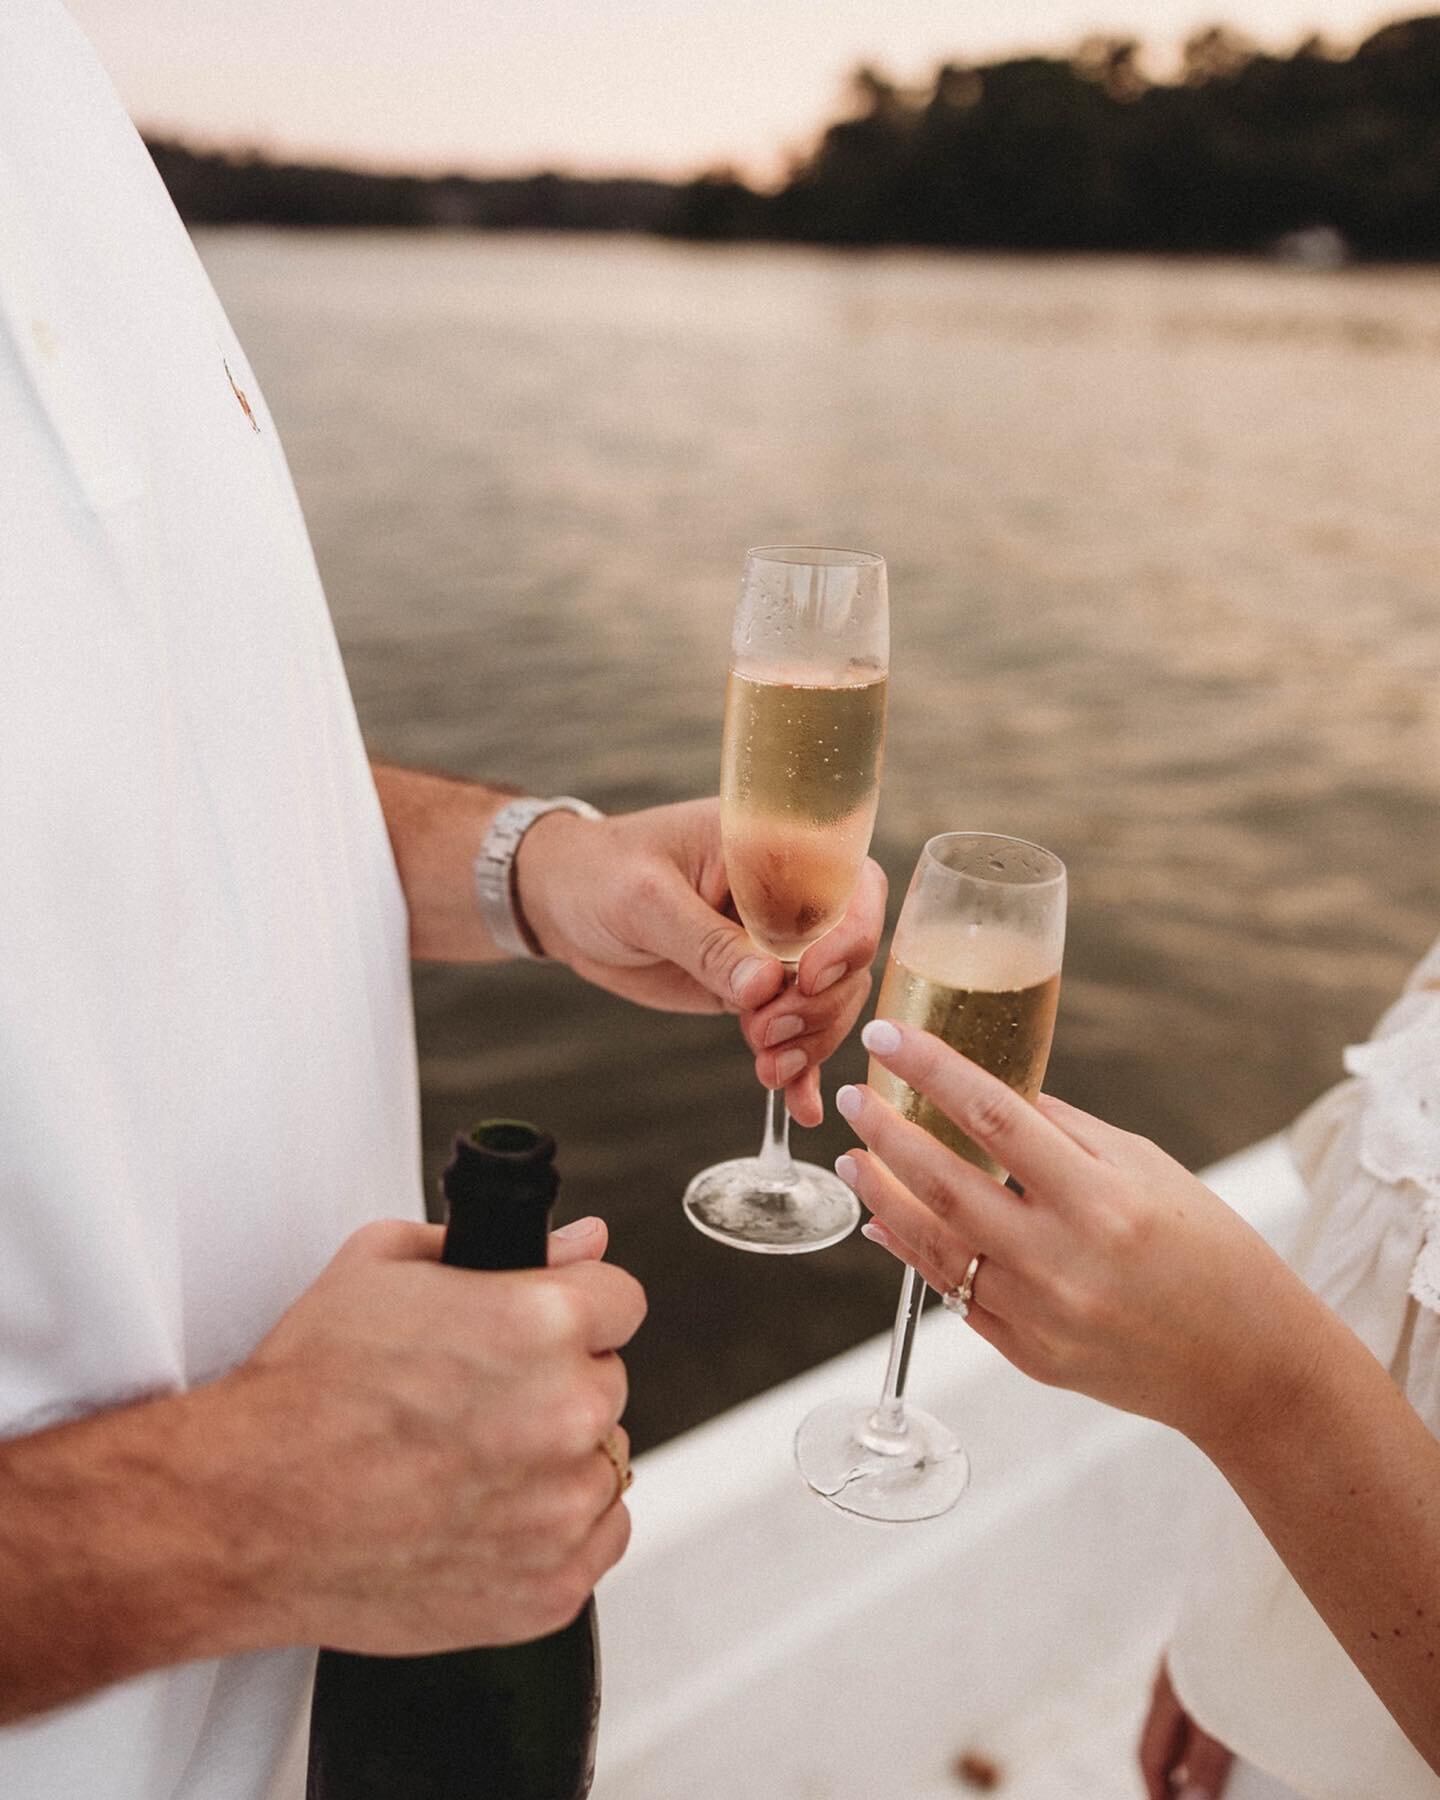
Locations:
(495, 870)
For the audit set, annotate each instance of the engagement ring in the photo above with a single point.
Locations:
(957, 1299)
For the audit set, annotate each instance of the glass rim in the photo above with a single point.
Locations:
(930, 855)
(814, 556)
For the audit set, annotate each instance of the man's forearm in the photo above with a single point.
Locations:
(1345, 1483)
(121, 1550)
(436, 825)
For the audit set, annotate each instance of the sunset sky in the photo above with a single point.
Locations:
(654, 86)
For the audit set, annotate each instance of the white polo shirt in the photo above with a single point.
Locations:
(207, 1067)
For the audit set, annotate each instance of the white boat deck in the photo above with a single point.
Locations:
(760, 1645)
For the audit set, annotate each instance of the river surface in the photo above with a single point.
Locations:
(1164, 547)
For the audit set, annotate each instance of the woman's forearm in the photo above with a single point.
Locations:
(1344, 1480)
(1120, 1275)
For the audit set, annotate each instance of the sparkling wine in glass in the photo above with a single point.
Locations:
(800, 780)
(975, 960)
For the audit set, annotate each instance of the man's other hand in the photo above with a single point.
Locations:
(638, 904)
(412, 1460)
(426, 1442)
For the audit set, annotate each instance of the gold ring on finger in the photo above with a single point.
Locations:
(609, 1446)
(957, 1299)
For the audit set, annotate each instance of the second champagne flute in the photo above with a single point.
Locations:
(975, 960)
(799, 784)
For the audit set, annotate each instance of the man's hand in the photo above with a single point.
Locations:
(636, 904)
(409, 1462)
(434, 1435)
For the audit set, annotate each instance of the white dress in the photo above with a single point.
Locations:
(1251, 1660)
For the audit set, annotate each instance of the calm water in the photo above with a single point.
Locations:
(1165, 562)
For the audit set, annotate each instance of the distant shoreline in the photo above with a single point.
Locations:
(1319, 157)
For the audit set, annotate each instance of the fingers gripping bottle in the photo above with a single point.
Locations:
(509, 1722)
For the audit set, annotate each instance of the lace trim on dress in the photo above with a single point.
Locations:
(1400, 1126)
(1425, 1276)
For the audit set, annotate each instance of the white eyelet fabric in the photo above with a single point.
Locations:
(1399, 1069)
(1250, 1657)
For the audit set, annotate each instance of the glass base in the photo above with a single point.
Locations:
(745, 1205)
(896, 1477)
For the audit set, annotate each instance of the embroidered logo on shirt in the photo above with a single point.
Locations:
(239, 394)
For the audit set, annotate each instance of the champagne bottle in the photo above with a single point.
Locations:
(510, 1722)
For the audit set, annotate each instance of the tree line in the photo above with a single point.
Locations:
(1239, 150)
(219, 188)
(1085, 152)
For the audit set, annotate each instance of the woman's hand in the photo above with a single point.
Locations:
(1178, 1760)
(1115, 1272)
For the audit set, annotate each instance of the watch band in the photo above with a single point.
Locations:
(495, 870)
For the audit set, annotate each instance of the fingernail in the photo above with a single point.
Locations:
(828, 977)
(778, 1030)
(848, 1170)
(578, 1228)
(877, 1234)
(740, 980)
(848, 1101)
(788, 1066)
(881, 1037)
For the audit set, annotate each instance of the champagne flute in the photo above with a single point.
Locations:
(976, 960)
(800, 779)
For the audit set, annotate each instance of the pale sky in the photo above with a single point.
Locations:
(643, 86)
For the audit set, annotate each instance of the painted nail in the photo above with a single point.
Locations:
(779, 1030)
(828, 977)
(848, 1101)
(876, 1233)
(578, 1228)
(740, 980)
(788, 1066)
(881, 1037)
(848, 1170)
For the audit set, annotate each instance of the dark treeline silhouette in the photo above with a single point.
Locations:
(219, 189)
(1242, 150)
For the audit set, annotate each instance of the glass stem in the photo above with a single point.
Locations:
(775, 1164)
(889, 1415)
(775, 1161)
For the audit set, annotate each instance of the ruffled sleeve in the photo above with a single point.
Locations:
(1251, 1659)
(1399, 1137)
